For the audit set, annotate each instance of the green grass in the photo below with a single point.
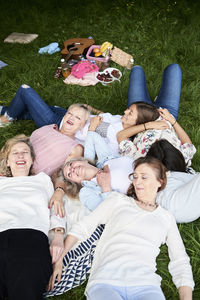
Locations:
(156, 33)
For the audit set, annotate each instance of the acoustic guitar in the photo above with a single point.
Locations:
(75, 47)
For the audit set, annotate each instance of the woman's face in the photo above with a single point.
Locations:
(19, 159)
(76, 171)
(130, 116)
(74, 120)
(145, 182)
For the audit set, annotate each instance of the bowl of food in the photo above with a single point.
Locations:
(109, 75)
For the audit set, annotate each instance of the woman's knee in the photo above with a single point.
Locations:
(173, 68)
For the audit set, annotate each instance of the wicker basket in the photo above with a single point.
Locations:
(101, 59)
(122, 58)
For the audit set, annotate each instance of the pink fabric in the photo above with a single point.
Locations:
(83, 67)
(88, 79)
(51, 148)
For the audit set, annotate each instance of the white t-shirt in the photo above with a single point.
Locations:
(24, 203)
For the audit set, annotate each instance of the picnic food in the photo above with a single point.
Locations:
(115, 73)
(105, 46)
(97, 54)
(105, 77)
(95, 50)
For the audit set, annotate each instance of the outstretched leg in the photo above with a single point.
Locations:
(170, 91)
(137, 90)
(28, 105)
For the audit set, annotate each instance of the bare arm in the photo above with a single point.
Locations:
(94, 110)
(133, 130)
(57, 197)
(182, 135)
(57, 245)
(185, 293)
(70, 241)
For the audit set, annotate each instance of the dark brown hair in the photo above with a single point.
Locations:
(170, 156)
(157, 166)
(146, 113)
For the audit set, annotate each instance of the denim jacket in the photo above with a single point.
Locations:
(91, 194)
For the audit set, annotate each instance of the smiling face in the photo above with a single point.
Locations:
(76, 171)
(74, 119)
(130, 116)
(146, 182)
(19, 159)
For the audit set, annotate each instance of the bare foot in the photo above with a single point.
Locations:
(3, 119)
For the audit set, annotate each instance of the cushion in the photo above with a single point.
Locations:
(21, 38)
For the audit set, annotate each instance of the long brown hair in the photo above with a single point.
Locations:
(146, 113)
(157, 166)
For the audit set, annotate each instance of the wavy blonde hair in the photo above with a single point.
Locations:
(5, 151)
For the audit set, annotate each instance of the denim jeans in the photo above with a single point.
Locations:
(170, 91)
(27, 105)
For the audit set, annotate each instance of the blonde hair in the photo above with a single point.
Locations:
(72, 188)
(84, 107)
(5, 151)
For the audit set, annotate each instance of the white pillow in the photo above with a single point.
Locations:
(21, 38)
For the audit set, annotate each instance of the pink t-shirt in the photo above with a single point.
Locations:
(51, 148)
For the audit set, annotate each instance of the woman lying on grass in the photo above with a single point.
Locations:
(53, 146)
(135, 227)
(25, 220)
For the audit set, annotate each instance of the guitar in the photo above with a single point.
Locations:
(75, 47)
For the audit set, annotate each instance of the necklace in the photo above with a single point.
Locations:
(146, 203)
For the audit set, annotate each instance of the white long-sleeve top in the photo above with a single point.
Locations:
(127, 250)
(24, 203)
(181, 196)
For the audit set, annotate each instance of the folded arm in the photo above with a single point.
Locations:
(133, 130)
(182, 135)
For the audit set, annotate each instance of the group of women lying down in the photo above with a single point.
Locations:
(131, 173)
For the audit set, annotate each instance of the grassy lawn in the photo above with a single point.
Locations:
(156, 33)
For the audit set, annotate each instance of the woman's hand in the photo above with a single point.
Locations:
(95, 122)
(160, 125)
(185, 293)
(94, 110)
(57, 201)
(57, 272)
(165, 114)
(57, 246)
(104, 179)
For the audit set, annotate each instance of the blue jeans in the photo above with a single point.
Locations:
(169, 94)
(111, 292)
(27, 105)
